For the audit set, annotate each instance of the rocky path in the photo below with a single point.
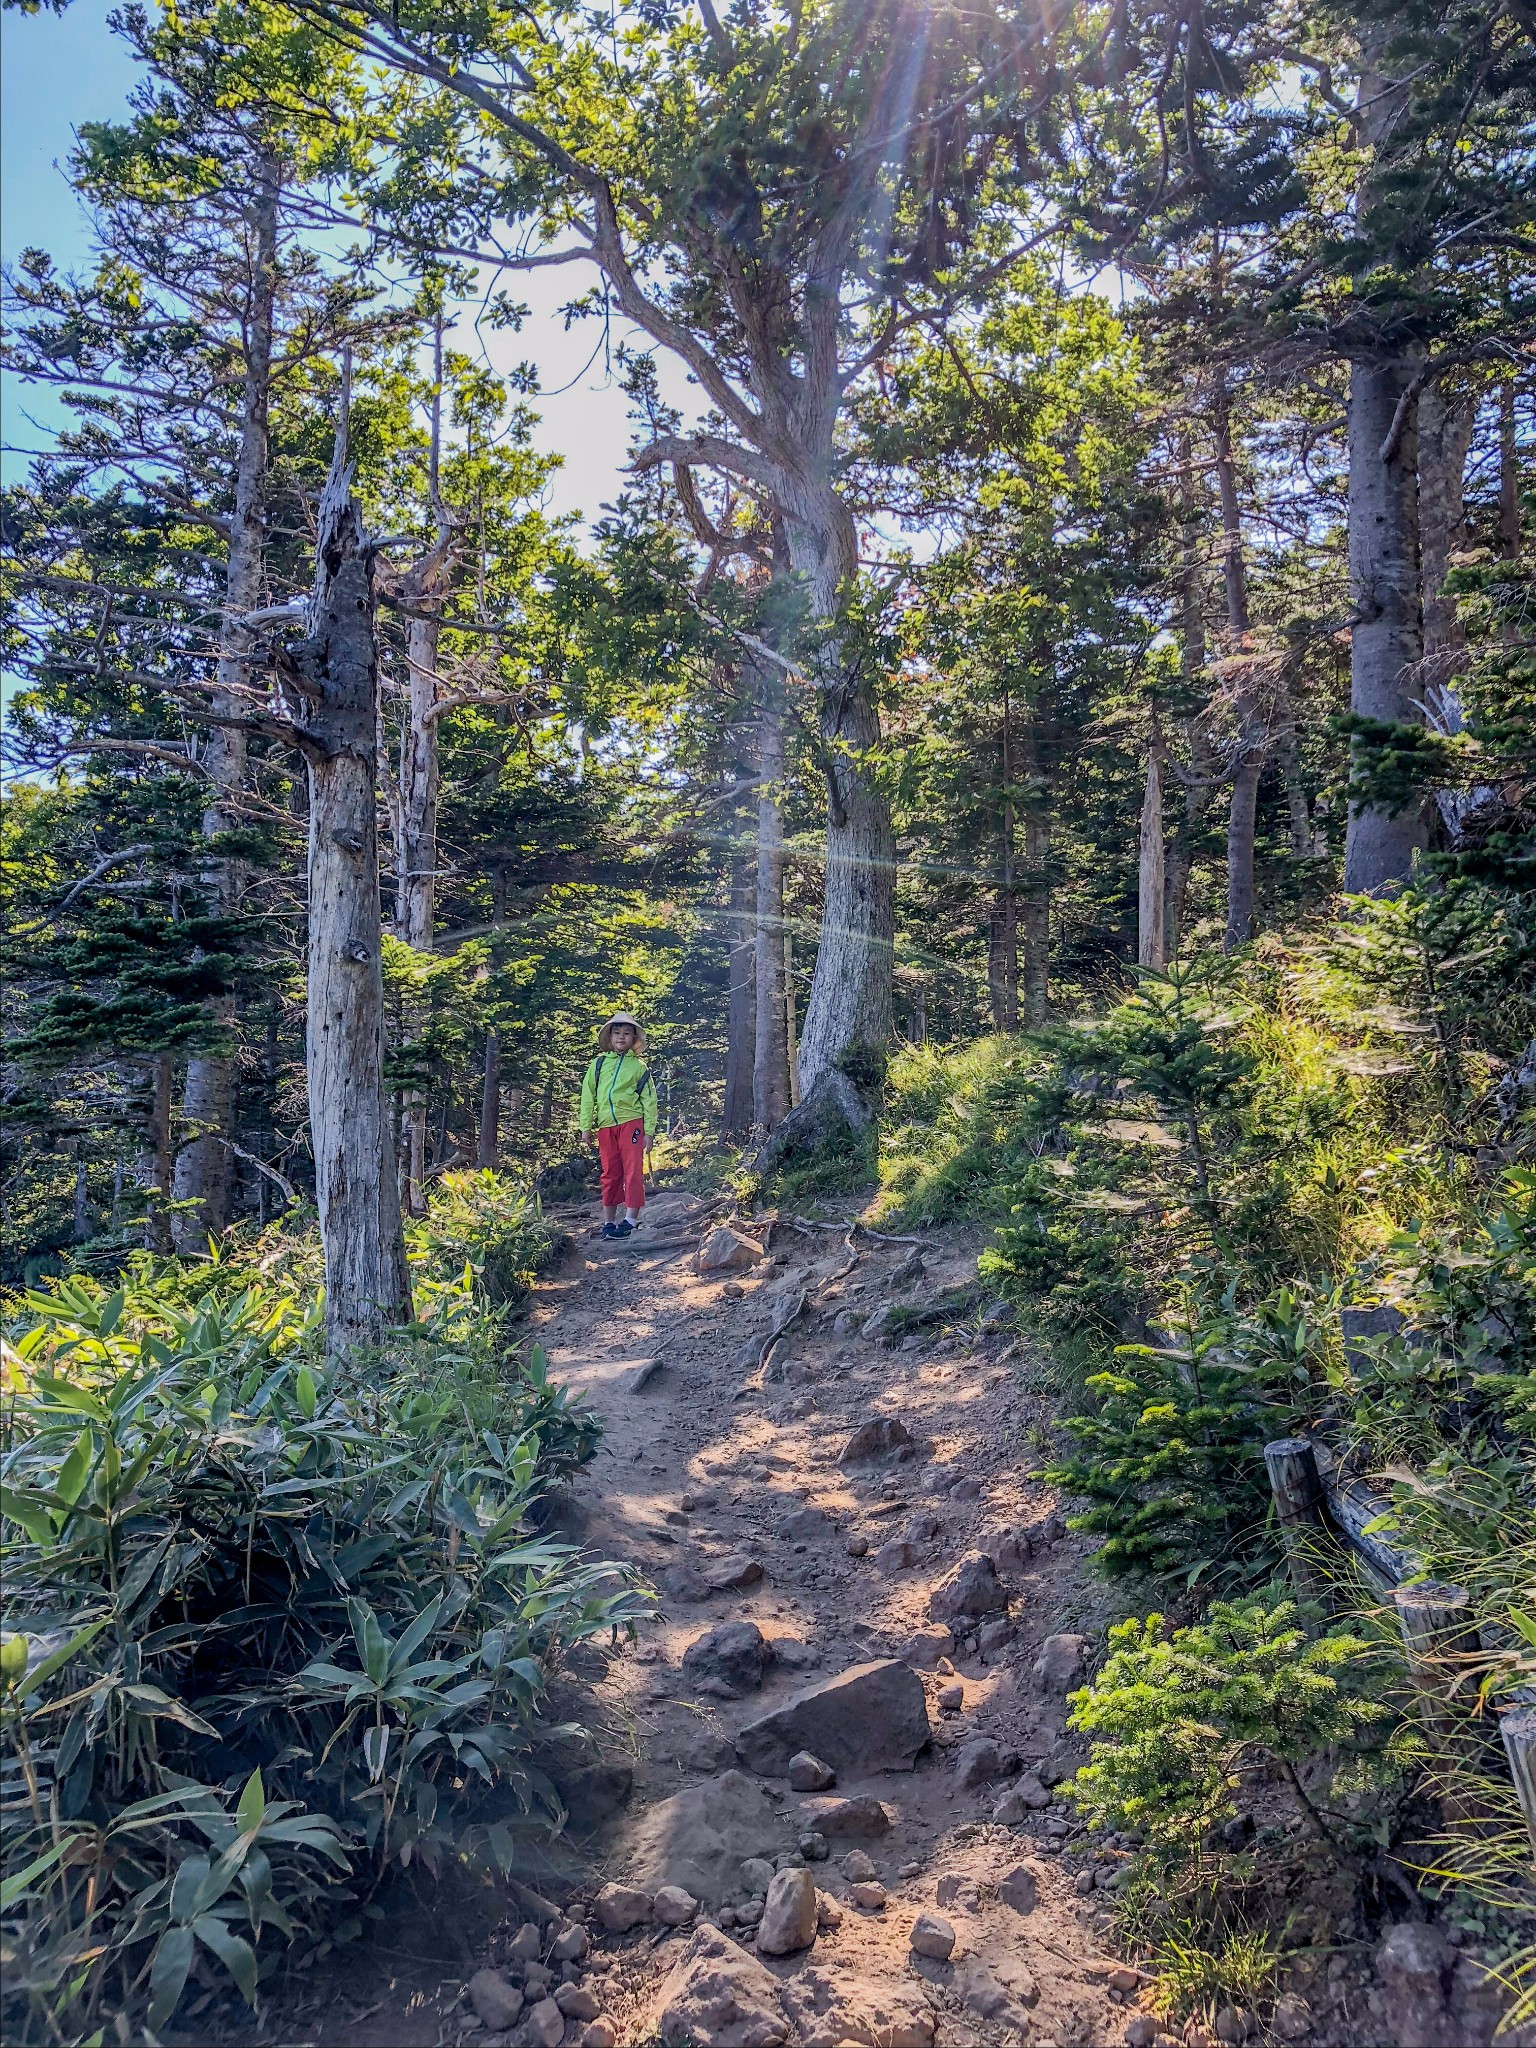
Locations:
(847, 1719)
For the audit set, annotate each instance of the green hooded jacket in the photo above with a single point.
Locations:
(615, 1089)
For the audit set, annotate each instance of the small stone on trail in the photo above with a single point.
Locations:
(1009, 1810)
(1141, 2031)
(729, 1660)
(527, 1944)
(571, 1944)
(733, 1573)
(1060, 1662)
(601, 2034)
(808, 1773)
(789, 1914)
(925, 1648)
(972, 1589)
(951, 1696)
(868, 1895)
(1292, 2019)
(933, 1936)
(1032, 1793)
(814, 1847)
(684, 1583)
(673, 1907)
(857, 1868)
(496, 2002)
(623, 1906)
(577, 2002)
(1020, 1889)
(756, 1876)
(725, 1251)
(897, 1556)
(840, 1818)
(876, 1438)
(954, 1890)
(804, 1525)
(537, 1978)
(979, 1762)
(857, 1546)
(966, 1489)
(993, 1635)
(543, 2025)
(829, 1914)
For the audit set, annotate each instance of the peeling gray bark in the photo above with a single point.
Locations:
(1386, 641)
(770, 1025)
(336, 704)
(1151, 931)
(848, 1017)
(1249, 767)
(741, 996)
(202, 1173)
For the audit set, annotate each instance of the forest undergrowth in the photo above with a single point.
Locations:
(1189, 1194)
(279, 1632)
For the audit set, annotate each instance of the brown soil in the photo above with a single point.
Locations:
(700, 1462)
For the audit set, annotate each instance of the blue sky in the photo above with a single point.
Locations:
(59, 71)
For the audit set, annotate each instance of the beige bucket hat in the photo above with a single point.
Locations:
(605, 1036)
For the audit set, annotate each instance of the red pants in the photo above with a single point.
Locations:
(621, 1154)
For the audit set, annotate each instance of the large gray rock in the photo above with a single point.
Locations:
(543, 2026)
(1060, 1662)
(700, 1837)
(971, 1590)
(496, 2002)
(1413, 1971)
(729, 1661)
(718, 1996)
(872, 1717)
(979, 1762)
(789, 1914)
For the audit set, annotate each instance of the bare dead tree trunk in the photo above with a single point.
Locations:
(1509, 474)
(1298, 815)
(1386, 640)
(1200, 787)
(848, 1018)
(770, 1057)
(336, 704)
(202, 1173)
(155, 1171)
(1035, 915)
(1005, 1000)
(490, 1104)
(1243, 814)
(741, 997)
(1151, 879)
(1445, 435)
(422, 589)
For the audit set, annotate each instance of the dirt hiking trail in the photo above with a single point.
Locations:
(844, 1507)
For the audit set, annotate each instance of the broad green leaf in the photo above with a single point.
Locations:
(253, 1804)
(232, 1950)
(168, 1974)
(20, 1881)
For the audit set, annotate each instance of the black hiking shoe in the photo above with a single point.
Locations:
(610, 1230)
(623, 1229)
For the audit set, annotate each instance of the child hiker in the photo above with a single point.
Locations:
(618, 1115)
